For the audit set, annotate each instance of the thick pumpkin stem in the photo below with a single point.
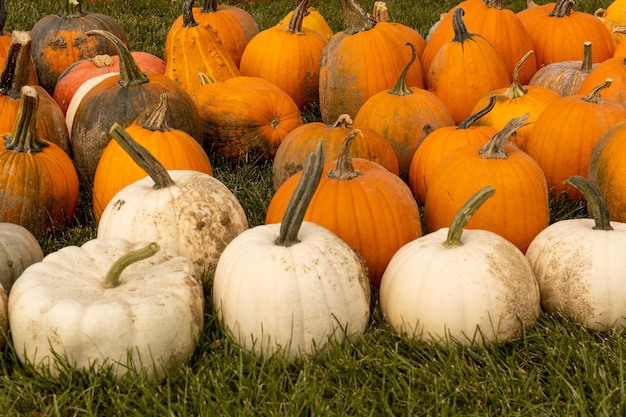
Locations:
(469, 120)
(460, 30)
(516, 89)
(301, 198)
(587, 62)
(455, 232)
(210, 6)
(112, 277)
(562, 8)
(401, 88)
(344, 169)
(130, 73)
(595, 202)
(380, 13)
(494, 149)
(17, 64)
(142, 157)
(595, 95)
(156, 120)
(23, 137)
(295, 23)
(343, 120)
(189, 20)
(496, 4)
(354, 17)
(71, 9)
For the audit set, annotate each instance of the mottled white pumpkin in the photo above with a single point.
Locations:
(471, 286)
(580, 265)
(62, 306)
(18, 250)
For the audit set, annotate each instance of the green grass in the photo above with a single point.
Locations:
(555, 368)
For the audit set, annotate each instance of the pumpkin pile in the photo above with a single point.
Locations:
(413, 166)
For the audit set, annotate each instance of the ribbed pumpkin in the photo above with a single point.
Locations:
(403, 116)
(301, 141)
(194, 48)
(612, 17)
(533, 10)
(358, 62)
(125, 96)
(40, 184)
(368, 207)
(518, 211)
(440, 142)
(607, 170)
(613, 68)
(245, 117)
(557, 35)
(566, 132)
(59, 40)
(233, 25)
(380, 15)
(565, 77)
(174, 148)
(513, 102)
(313, 20)
(50, 122)
(464, 70)
(288, 56)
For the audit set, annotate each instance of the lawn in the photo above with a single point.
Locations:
(555, 368)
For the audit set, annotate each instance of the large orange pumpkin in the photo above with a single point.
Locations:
(613, 68)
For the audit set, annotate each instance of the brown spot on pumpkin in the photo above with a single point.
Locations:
(117, 205)
(58, 43)
(200, 225)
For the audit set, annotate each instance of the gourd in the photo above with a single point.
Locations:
(471, 287)
(130, 307)
(297, 288)
(18, 250)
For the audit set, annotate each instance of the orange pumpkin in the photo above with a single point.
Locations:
(612, 17)
(613, 68)
(40, 184)
(519, 209)
(368, 207)
(313, 20)
(419, 111)
(301, 141)
(405, 34)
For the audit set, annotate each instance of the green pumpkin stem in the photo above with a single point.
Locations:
(401, 88)
(494, 148)
(562, 8)
(295, 22)
(17, 65)
(516, 90)
(469, 120)
(587, 62)
(23, 137)
(301, 198)
(142, 157)
(189, 20)
(595, 96)
(344, 170)
(460, 30)
(464, 215)
(71, 9)
(156, 119)
(354, 17)
(130, 73)
(595, 202)
(112, 277)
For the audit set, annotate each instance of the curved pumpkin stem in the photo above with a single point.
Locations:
(463, 216)
(460, 30)
(17, 64)
(112, 277)
(295, 22)
(142, 157)
(516, 89)
(301, 198)
(189, 20)
(494, 149)
(344, 169)
(595, 95)
(23, 137)
(562, 8)
(354, 17)
(469, 120)
(344, 120)
(595, 201)
(401, 88)
(130, 73)
(156, 120)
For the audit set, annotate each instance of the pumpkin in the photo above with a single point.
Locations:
(565, 77)
(613, 68)
(612, 17)
(514, 101)
(18, 250)
(579, 265)
(60, 39)
(40, 190)
(233, 25)
(301, 141)
(358, 62)
(108, 303)
(313, 20)
(245, 117)
(520, 209)
(194, 48)
(533, 10)
(562, 152)
(188, 211)
(367, 206)
(471, 287)
(126, 96)
(315, 285)
(440, 142)
(620, 48)
(4, 316)
(406, 34)
(174, 148)
(464, 70)
(419, 110)
(288, 56)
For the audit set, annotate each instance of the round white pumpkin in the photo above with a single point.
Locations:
(18, 250)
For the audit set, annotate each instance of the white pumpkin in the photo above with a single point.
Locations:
(18, 250)
(473, 287)
(188, 211)
(289, 288)
(4, 316)
(151, 319)
(581, 267)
